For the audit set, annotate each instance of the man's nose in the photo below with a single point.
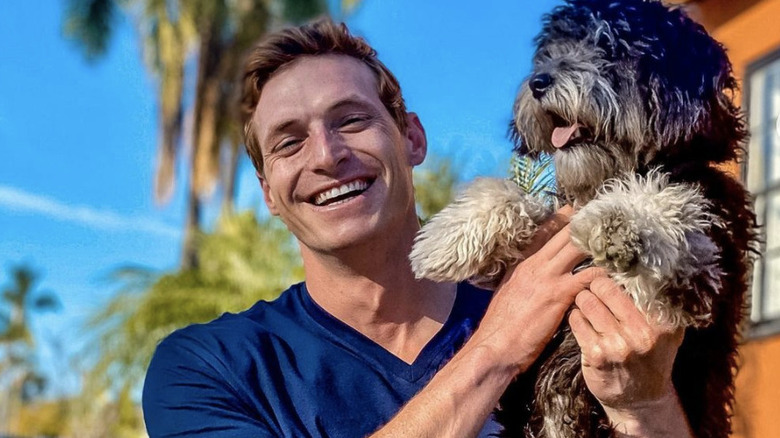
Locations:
(328, 149)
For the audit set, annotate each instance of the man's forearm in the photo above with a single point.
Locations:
(524, 313)
(458, 400)
(662, 418)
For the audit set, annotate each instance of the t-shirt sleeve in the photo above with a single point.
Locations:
(188, 394)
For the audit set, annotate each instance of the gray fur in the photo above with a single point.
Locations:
(652, 207)
(650, 235)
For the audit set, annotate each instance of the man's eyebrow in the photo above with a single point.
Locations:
(281, 126)
(346, 102)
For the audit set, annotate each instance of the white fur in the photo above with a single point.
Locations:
(477, 236)
(650, 235)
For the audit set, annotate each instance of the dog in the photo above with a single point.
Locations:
(633, 101)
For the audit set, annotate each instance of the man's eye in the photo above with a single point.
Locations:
(288, 144)
(353, 122)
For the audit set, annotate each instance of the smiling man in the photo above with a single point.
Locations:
(336, 168)
(362, 347)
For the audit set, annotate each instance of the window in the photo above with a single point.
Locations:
(763, 180)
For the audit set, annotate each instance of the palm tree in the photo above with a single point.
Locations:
(434, 186)
(243, 260)
(214, 35)
(18, 374)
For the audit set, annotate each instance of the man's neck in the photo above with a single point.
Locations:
(378, 295)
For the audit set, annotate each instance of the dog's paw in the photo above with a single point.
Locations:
(479, 235)
(610, 236)
(651, 236)
(640, 224)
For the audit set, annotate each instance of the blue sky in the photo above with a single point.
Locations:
(78, 140)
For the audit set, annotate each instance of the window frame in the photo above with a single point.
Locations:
(760, 327)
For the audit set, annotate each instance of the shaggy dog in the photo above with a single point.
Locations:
(633, 100)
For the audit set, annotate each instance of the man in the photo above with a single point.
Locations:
(362, 347)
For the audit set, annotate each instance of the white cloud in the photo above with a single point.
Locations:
(14, 199)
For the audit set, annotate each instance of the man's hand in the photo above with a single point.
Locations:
(533, 298)
(627, 361)
(522, 317)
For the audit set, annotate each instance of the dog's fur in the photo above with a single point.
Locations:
(652, 94)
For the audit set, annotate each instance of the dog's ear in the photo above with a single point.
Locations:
(690, 90)
(520, 145)
(526, 128)
(728, 123)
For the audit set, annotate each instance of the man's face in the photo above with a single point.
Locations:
(336, 168)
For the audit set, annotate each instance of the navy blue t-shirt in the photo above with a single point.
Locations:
(288, 368)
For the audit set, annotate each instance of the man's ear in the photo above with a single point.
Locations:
(416, 140)
(269, 201)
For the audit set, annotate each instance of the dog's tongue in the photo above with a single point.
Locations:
(561, 135)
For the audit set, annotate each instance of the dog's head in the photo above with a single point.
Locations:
(618, 85)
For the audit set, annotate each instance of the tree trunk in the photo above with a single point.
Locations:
(203, 141)
(229, 183)
(189, 252)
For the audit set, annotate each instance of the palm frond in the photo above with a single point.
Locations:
(535, 176)
(89, 23)
(244, 260)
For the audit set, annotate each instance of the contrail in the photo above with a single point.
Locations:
(15, 199)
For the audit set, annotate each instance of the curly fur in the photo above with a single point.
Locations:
(634, 102)
(500, 218)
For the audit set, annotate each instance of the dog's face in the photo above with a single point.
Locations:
(618, 85)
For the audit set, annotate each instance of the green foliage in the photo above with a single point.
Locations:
(20, 300)
(244, 260)
(298, 11)
(89, 23)
(213, 36)
(534, 175)
(19, 375)
(434, 186)
(41, 418)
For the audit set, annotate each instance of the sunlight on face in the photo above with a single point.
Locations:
(337, 169)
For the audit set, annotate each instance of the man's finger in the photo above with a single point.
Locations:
(596, 312)
(583, 332)
(567, 257)
(587, 276)
(548, 229)
(555, 244)
(616, 299)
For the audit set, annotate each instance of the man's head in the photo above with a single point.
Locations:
(331, 140)
(278, 51)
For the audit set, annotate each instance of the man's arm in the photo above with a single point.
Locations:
(523, 315)
(185, 394)
(627, 362)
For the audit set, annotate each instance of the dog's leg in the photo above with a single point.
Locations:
(479, 235)
(651, 236)
(559, 387)
(563, 406)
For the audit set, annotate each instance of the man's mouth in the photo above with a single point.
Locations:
(341, 193)
(566, 133)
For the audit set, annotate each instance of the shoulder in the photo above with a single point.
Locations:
(206, 369)
(232, 332)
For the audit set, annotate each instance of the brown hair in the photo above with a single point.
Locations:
(320, 37)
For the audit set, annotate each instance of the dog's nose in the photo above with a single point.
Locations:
(539, 84)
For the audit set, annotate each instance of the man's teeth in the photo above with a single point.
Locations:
(340, 191)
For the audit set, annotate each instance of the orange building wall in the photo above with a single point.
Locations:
(757, 413)
(750, 30)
